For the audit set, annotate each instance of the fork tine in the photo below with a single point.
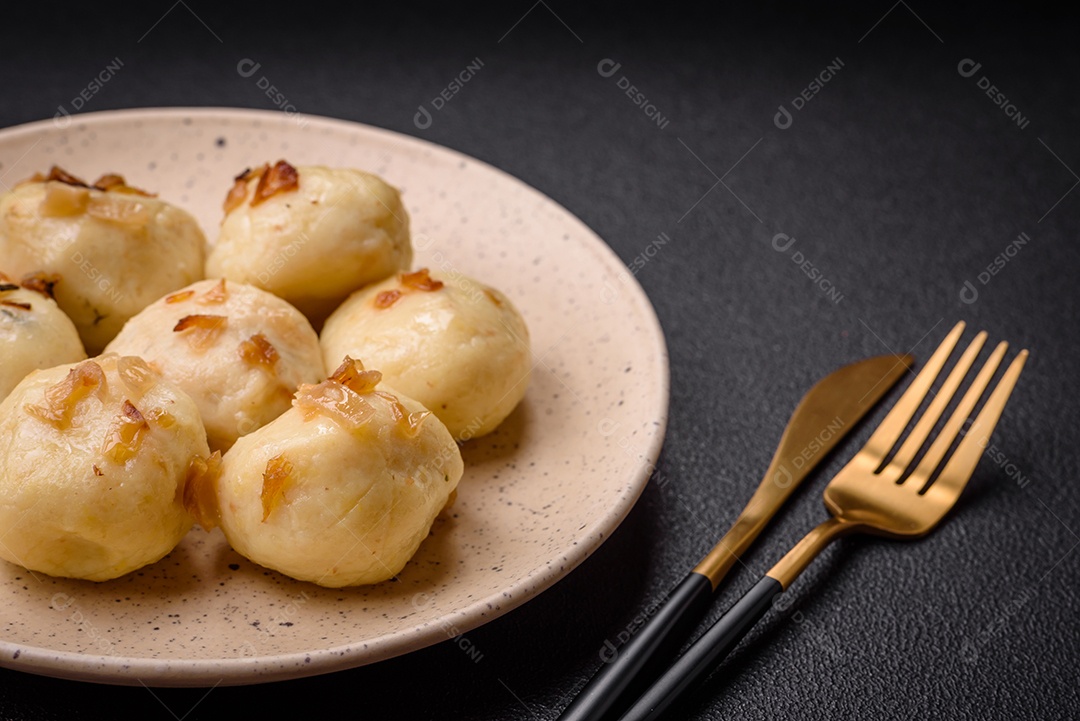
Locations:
(960, 416)
(934, 411)
(963, 461)
(889, 430)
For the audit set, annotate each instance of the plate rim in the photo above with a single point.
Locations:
(130, 671)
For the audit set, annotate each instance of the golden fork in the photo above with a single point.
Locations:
(886, 489)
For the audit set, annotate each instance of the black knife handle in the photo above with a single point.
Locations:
(638, 661)
(706, 653)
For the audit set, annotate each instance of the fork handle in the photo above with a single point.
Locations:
(708, 651)
(716, 643)
(642, 657)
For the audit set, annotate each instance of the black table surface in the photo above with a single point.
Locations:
(835, 183)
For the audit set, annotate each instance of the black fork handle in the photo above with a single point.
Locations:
(706, 653)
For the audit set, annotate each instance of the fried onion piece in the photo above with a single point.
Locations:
(258, 351)
(387, 298)
(116, 183)
(63, 398)
(420, 280)
(277, 473)
(126, 435)
(238, 192)
(215, 296)
(179, 297)
(200, 490)
(281, 178)
(41, 282)
(202, 330)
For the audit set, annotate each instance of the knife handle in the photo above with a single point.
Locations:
(638, 661)
(706, 653)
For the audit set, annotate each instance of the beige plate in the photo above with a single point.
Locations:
(537, 498)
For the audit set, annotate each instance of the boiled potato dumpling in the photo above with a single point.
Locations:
(94, 467)
(456, 345)
(342, 488)
(34, 332)
(114, 248)
(238, 351)
(311, 235)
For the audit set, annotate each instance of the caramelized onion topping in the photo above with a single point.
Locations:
(41, 282)
(420, 280)
(387, 298)
(135, 373)
(62, 398)
(200, 490)
(352, 375)
(203, 330)
(59, 174)
(118, 210)
(15, 304)
(279, 179)
(277, 473)
(258, 351)
(346, 397)
(179, 297)
(126, 435)
(62, 200)
(108, 181)
(215, 296)
(116, 183)
(238, 192)
(409, 423)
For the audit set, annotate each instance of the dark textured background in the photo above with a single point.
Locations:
(899, 181)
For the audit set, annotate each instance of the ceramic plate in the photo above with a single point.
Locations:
(538, 496)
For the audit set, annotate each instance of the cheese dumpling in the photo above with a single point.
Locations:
(94, 468)
(238, 351)
(456, 345)
(342, 488)
(34, 332)
(311, 235)
(111, 249)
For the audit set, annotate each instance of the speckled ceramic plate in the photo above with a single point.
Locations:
(538, 496)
